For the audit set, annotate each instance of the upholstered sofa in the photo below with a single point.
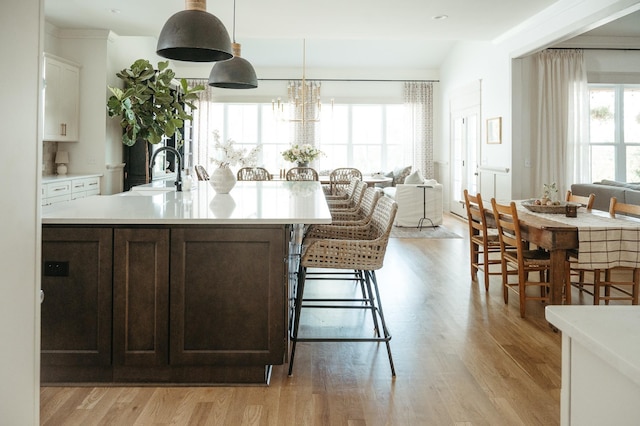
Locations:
(415, 202)
(628, 193)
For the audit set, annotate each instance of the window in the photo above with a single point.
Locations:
(615, 132)
(368, 136)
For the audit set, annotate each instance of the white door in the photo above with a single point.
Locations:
(465, 157)
(464, 132)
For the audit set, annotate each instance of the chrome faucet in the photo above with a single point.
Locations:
(178, 182)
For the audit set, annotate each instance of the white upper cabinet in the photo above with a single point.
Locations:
(61, 100)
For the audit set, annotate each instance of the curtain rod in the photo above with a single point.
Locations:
(348, 80)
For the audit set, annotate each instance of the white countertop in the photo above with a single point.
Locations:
(266, 202)
(610, 332)
(61, 178)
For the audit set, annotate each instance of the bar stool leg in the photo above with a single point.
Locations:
(296, 318)
(371, 278)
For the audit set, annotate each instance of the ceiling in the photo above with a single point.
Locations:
(339, 34)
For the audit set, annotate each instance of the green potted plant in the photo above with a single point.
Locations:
(151, 105)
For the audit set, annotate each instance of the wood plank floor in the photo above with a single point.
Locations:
(462, 357)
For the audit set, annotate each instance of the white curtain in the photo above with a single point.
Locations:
(204, 123)
(304, 110)
(561, 123)
(418, 97)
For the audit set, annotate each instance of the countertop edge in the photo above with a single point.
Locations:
(591, 326)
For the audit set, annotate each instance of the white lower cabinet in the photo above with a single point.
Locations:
(66, 189)
(85, 187)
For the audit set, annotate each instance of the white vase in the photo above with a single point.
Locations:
(222, 180)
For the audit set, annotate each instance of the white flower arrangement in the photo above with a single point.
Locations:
(228, 155)
(301, 153)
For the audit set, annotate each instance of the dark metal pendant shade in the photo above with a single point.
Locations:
(236, 73)
(194, 36)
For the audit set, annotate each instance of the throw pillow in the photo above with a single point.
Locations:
(414, 178)
(400, 174)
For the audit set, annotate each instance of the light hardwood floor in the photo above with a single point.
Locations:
(462, 357)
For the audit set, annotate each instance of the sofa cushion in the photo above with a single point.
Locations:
(400, 174)
(414, 177)
(611, 183)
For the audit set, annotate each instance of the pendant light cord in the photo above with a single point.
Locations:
(234, 21)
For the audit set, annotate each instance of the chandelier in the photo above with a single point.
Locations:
(304, 103)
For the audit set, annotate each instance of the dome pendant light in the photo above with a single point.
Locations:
(235, 73)
(194, 35)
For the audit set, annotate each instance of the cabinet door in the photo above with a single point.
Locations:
(61, 100)
(227, 296)
(141, 297)
(76, 311)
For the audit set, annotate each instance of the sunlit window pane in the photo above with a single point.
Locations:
(602, 106)
(633, 164)
(602, 163)
(632, 115)
(242, 123)
(367, 124)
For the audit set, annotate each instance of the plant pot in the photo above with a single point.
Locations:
(222, 180)
(303, 164)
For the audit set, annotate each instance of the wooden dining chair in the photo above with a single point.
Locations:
(521, 261)
(302, 173)
(482, 244)
(253, 173)
(572, 255)
(624, 281)
(586, 202)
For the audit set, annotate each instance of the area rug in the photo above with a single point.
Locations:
(426, 232)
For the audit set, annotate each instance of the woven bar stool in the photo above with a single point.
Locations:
(353, 248)
(347, 194)
(350, 204)
(339, 179)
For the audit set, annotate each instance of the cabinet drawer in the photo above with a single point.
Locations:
(56, 199)
(85, 184)
(57, 189)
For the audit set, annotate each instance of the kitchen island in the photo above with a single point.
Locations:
(158, 286)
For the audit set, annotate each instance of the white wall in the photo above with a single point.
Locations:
(20, 20)
(468, 63)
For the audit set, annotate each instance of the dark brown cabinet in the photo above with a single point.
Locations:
(227, 287)
(193, 304)
(77, 308)
(140, 300)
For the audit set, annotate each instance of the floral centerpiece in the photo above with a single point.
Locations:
(301, 154)
(227, 154)
(550, 192)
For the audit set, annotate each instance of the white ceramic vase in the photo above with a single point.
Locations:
(222, 180)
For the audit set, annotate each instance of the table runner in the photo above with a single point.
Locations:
(604, 241)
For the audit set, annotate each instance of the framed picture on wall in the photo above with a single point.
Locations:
(494, 130)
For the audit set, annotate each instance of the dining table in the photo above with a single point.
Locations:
(602, 241)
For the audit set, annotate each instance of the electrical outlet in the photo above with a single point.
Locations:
(55, 269)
